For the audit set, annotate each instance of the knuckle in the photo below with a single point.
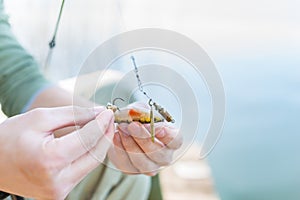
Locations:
(101, 157)
(177, 142)
(98, 156)
(165, 162)
(144, 166)
(163, 157)
(168, 160)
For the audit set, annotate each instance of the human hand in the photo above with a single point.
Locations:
(134, 152)
(33, 163)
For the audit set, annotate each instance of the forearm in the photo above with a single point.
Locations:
(55, 96)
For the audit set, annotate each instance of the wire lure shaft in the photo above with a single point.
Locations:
(152, 130)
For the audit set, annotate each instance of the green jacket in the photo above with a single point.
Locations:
(20, 79)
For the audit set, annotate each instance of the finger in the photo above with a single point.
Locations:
(50, 119)
(99, 152)
(156, 150)
(72, 146)
(81, 116)
(138, 158)
(118, 156)
(170, 137)
(90, 160)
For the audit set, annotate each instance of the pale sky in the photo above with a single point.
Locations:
(215, 24)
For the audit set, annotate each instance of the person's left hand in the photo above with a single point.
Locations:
(134, 152)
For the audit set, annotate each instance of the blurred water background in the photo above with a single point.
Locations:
(255, 46)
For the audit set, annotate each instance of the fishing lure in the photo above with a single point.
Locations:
(132, 114)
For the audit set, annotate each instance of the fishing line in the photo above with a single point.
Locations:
(52, 42)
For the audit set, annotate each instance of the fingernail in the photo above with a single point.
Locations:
(160, 133)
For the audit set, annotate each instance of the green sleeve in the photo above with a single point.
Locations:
(20, 78)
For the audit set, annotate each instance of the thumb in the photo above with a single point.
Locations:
(51, 119)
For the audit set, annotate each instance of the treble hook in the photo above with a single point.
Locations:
(150, 102)
(112, 105)
(118, 98)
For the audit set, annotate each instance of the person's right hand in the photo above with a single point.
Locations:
(33, 163)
